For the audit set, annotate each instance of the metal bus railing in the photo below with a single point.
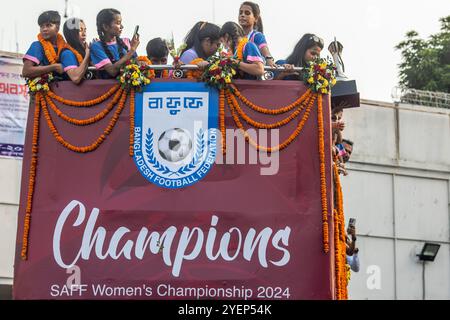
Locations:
(179, 72)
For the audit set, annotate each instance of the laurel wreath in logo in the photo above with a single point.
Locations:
(200, 146)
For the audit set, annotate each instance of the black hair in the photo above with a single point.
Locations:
(106, 17)
(157, 48)
(49, 17)
(201, 31)
(349, 142)
(71, 31)
(234, 31)
(297, 57)
(257, 13)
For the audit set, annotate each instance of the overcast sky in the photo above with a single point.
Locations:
(369, 29)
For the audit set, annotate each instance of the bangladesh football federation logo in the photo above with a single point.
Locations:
(175, 136)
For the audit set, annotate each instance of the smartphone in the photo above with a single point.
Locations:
(136, 30)
(351, 222)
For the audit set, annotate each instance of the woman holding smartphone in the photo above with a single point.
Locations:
(112, 52)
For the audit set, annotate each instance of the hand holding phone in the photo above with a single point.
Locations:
(351, 222)
(136, 31)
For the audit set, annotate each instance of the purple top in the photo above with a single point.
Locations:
(188, 56)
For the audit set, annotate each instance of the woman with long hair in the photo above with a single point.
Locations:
(250, 20)
(111, 52)
(307, 49)
(202, 41)
(75, 56)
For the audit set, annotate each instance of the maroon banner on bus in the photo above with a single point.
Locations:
(101, 230)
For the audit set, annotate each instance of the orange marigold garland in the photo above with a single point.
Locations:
(78, 56)
(340, 240)
(89, 103)
(151, 73)
(260, 125)
(274, 111)
(32, 177)
(132, 107)
(286, 143)
(195, 74)
(98, 141)
(222, 120)
(88, 121)
(240, 48)
(323, 181)
(49, 51)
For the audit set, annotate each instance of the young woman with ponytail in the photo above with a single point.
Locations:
(111, 52)
(251, 22)
(249, 59)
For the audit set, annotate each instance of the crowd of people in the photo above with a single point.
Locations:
(70, 56)
(342, 150)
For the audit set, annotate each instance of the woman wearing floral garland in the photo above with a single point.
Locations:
(201, 42)
(75, 56)
(250, 20)
(111, 53)
(42, 56)
(249, 59)
(307, 49)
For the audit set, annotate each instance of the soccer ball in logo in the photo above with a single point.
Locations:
(174, 145)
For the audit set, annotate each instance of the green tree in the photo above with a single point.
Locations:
(426, 63)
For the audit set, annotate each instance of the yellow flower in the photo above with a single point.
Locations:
(146, 81)
(323, 65)
(135, 75)
(135, 83)
(325, 83)
(311, 80)
(228, 79)
(233, 72)
(333, 82)
(324, 91)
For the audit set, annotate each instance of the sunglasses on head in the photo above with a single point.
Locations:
(316, 39)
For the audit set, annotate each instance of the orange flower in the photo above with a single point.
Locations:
(75, 52)
(152, 74)
(93, 146)
(273, 111)
(222, 120)
(339, 239)
(240, 48)
(89, 103)
(195, 74)
(49, 50)
(32, 176)
(88, 121)
(132, 107)
(323, 181)
(232, 103)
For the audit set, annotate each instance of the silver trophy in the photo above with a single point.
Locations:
(335, 49)
(345, 93)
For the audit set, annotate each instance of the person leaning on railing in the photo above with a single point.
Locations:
(112, 52)
(75, 57)
(249, 59)
(307, 49)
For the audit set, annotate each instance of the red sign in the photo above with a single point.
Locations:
(100, 230)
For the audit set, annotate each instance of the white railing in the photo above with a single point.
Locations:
(421, 97)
